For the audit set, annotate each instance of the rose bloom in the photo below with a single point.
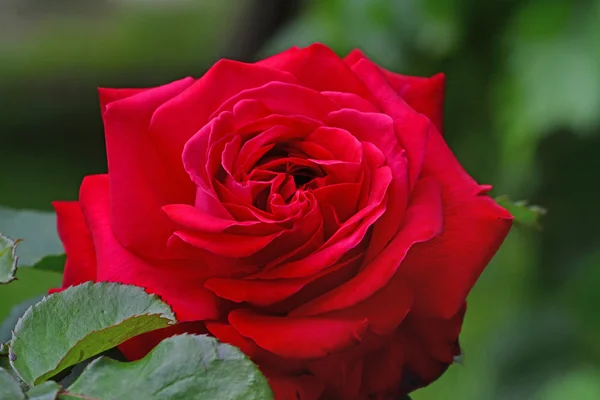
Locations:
(304, 208)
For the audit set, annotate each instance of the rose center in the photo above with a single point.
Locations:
(302, 177)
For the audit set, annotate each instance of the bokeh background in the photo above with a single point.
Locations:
(522, 113)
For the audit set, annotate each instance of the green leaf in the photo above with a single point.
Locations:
(71, 326)
(4, 363)
(8, 259)
(46, 391)
(37, 229)
(16, 312)
(9, 387)
(181, 367)
(52, 263)
(524, 214)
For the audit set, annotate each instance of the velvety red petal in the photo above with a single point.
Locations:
(264, 292)
(319, 68)
(350, 100)
(379, 129)
(77, 242)
(140, 183)
(192, 218)
(443, 271)
(139, 346)
(383, 371)
(303, 387)
(286, 99)
(108, 95)
(411, 127)
(227, 245)
(423, 221)
(424, 95)
(385, 310)
(303, 338)
(439, 337)
(179, 283)
(343, 377)
(194, 107)
(278, 59)
(228, 334)
(346, 238)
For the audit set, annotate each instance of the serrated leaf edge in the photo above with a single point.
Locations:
(13, 357)
(13, 272)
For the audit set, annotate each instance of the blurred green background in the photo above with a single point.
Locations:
(522, 112)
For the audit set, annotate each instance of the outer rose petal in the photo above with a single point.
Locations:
(319, 68)
(424, 95)
(179, 284)
(412, 128)
(443, 271)
(139, 346)
(140, 183)
(108, 95)
(303, 338)
(303, 387)
(192, 109)
(77, 241)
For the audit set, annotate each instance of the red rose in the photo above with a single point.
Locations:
(304, 208)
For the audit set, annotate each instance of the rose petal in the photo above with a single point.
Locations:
(385, 310)
(108, 95)
(303, 338)
(379, 130)
(227, 245)
(383, 371)
(347, 237)
(196, 162)
(424, 95)
(264, 292)
(140, 183)
(350, 100)
(439, 337)
(286, 99)
(339, 142)
(179, 284)
(193, 218)
(423, 221)
(412, 128)
(223, 80)
(443, 271)
(343, 377)
(227, 334)
(319, 68)
(303, 387)
(139, 346)
(77, 242)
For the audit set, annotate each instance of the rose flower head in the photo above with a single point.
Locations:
(304, 208)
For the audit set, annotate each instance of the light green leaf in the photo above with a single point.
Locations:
(181, 367)
(8, 259)
(16, 312)
(9, 387)
(71, 326)
(46, 391)
(524, 214)
(37, 229)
